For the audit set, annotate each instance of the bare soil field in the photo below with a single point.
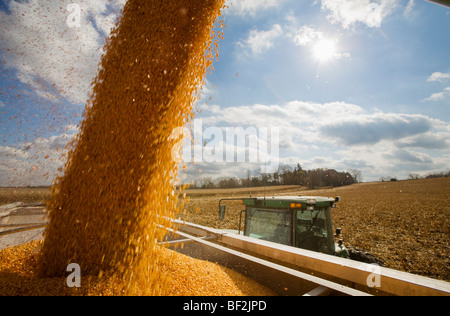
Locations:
(406, 224)
(25, 195)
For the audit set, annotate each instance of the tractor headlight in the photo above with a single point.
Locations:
(311, 204)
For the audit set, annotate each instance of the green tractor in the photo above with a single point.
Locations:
(298, 221)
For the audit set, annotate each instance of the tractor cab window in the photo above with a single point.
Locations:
(267, 224)
(311, 230)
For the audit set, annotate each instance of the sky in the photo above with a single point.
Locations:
(341, 84)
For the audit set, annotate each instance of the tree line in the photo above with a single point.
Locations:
(285, 175)
(442, 174)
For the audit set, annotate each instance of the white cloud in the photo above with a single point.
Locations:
(305, 35)
(409, 8)
(369, 129)
(430, 140)
(439, 96)
(290, 114)
(106, 23)
(438, 76)
(54, 58)
(206, 92)
(72, 128)
(349, 12)
(442, 95)
(250, 7)
(36, 162)
(7, 151)
(384, 159)
(339, 135)
(332, 124)
(261, 41)
(2, 104)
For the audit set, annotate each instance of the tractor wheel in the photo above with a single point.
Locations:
(363, 256)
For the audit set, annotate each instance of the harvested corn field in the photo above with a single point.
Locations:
(406, 224)
(24, 195)
(403, 223)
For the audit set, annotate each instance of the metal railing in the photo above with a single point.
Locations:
(12, 210)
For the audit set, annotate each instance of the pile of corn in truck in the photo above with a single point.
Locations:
(284, 243)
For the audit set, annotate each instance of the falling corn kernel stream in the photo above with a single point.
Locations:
(118, 186)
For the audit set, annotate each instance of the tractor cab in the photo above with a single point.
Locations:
(299, 221)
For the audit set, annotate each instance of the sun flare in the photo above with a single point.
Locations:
(324, 50)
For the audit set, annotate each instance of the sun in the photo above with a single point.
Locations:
(324, 50)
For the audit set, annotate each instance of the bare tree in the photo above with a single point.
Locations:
(356, 174)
